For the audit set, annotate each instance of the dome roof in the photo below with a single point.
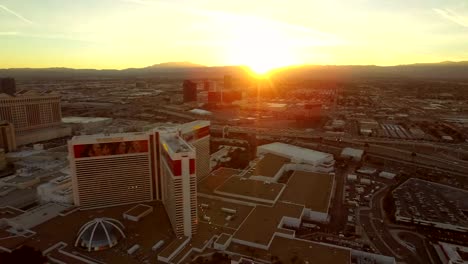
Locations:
(99, 234)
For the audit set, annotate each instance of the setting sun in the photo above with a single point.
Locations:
(262, 62)
(260, 47)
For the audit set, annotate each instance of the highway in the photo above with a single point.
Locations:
(418, 244)
(448, 165)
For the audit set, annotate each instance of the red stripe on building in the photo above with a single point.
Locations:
(192, 166)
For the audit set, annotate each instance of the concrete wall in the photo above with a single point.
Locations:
(270, 179)
(316, 216)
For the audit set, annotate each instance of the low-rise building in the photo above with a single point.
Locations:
(301, 158)
(352, 153)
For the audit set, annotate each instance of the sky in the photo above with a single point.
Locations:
(118, 34)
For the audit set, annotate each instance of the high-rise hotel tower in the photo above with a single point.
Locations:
(161, 164)
(179, 183)
(30, 110)
(197, 133)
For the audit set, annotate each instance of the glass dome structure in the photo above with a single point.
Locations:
(99, 234)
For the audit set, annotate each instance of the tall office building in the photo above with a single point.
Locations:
(227, 82)
(190, 91)
(210, 86)
(7, 86)
(179, 183)
(30, 110)
(7, 136)
(197, 133)
(225, 96)
(161, 164)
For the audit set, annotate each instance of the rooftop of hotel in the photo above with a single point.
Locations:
(313, 190)
(204, 234)
(138, 210)
(102, 138)
(216, 179)
(213, 209)
(267, 166)
(175, 143)
(26, 93)
(263, 222)
(303, 251)
(250, 189)
(146, 233)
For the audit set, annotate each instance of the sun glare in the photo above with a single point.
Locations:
(262, 63)
(261, 48)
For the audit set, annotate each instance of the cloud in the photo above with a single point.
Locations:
(229, 16)
(46, 36)
(452, 16)
(227, 29)
(16, 14)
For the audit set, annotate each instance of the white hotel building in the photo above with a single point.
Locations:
(179, 183)
(116, 169)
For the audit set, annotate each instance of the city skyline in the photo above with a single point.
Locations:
(262, 35)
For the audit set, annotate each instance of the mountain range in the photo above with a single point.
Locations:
(186, 70)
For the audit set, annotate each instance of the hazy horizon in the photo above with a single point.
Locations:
(262, 34)
(214, 66)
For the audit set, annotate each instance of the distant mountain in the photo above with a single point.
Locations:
(443, 70)
(180, 64)
(173, 70)
(186, 70)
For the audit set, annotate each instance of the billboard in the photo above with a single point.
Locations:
(110, 148)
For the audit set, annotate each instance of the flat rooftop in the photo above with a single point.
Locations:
(250, 189)
(216, 179)
(304, 251)
(104, 138)
(146, 233)
(268, 166)
(175, 143)
(139, 209)
(38, 215)
(205, 232)
(222, 239)
(84, 120)
(194, 125)
(262, 223)
(9, 212)
(313, 190)
(218, 217)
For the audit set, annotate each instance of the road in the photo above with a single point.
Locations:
(419, 244)
(379, 230)
(337, 211)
